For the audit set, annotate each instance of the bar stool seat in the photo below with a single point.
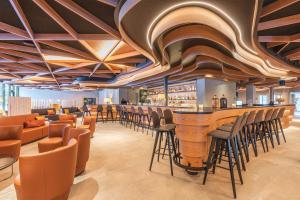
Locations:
(220, 134)
(167, 127)
(226, 127)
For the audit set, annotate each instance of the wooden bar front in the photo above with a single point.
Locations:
(192, 128)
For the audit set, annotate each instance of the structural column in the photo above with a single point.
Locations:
(166, 86)
(271, 95)
(250, 94)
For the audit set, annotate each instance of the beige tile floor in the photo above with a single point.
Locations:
(118, 170)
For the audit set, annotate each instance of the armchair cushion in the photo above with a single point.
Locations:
(50, 112)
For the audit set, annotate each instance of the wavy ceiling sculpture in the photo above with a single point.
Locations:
(110, 43)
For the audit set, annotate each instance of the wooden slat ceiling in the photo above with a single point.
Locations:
(50, 43)
(279, 29)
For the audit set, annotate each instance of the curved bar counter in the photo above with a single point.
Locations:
(193, 126)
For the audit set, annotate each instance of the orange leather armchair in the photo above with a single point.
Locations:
(10, 140)
(68, 118)
(47, 176)
(83, 138)
(58, 136)
(89, 123)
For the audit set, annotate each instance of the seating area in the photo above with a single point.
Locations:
(149, 99)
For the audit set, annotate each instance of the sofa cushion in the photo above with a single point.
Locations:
(34, 123)
(50, 112)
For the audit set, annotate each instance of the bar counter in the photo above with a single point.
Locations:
(193, 125)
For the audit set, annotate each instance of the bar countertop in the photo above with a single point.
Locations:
(210, 110)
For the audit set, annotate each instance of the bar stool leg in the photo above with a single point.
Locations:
(260, 136)
(159, 145)
(231, 166)
(270, 132)
(280, 125)
(209, 159)
(216, 154)
(236, 157)
(154, 149)
(276, 131)
(170, 155)
(238, 147)
(242, 147)
(252, 140)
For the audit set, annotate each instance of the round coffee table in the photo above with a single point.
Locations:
(5, 162)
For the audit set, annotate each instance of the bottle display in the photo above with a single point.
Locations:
(223, 102)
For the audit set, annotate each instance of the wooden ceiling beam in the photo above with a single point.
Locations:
(293, 53)
(20, 54)
(54, 15)
(14, 30)
(275, 6)
(274, 44)
(15, 4)
(18, 47)
(95, 69)
(284, 21)
(69, 49)
(123, 55)
(112, 3)
(72, 6)
(68, 37)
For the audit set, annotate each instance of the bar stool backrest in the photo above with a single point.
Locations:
(269, 114)
(124, 108)
(85, 108)
(109, 107)
(159, 112)
(168, 116)
(244, 120)
(99, 108)
(259, 116)
(118, 108)
(140, 110)
(155, 120)
(275, 114)
(150, 111)
(251, 117)
(236, 126)
(280, 113)
(132, 109)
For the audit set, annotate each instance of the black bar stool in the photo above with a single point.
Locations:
(169, 121)
(249, 131)
(133, 117)
(160, 114)
(100, 111)
(109, 112)
(272, 124)
(240, 141)
(226, 138)
(278, 123)
(266, 128)
(160, 130)
(257, 128)
(118, 113)
(141, 119)
(150, 118)
(86, 110)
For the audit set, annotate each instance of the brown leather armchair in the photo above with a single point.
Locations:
(89, 123)
(47, 176)
(68, 118)
(83, 138)
(58, 136)
(10, 140)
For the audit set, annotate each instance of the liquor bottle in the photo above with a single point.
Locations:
(223, 102)
(214, 101)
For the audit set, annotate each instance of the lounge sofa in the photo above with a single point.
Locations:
(72, 110)
(44, 112)
(28, 134)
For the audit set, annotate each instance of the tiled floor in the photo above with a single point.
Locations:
(118, 170)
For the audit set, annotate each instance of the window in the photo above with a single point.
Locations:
(5, 92)
(262, 99)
